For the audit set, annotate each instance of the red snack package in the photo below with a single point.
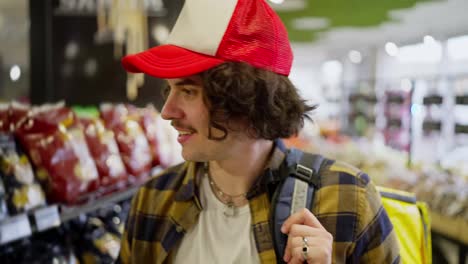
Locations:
(17, 114)
(4, 120)
(170, 151)
(104, 150)
(58, 149)
(12, 115)
(132, 142)
(147, 117)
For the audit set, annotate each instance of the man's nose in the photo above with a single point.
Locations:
(171, 109)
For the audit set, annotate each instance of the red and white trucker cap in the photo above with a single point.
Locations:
(210, 32)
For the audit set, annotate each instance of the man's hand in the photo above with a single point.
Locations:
(305, 232)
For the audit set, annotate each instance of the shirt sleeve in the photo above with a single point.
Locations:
(375, 240)
(126, 240)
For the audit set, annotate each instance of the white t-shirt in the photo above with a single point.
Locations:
(217, 238)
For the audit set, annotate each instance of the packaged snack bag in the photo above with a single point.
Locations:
(4, 120)
(161, 136)
(22, 191)
(17, 114)
(147, 118)
(95, 244)
(170, 151)
(105, 152)
(57, 147)
(133, 145)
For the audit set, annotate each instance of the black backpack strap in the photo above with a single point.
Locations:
(296, 191)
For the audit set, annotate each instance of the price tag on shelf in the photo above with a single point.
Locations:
(46, 217)
(14, 228)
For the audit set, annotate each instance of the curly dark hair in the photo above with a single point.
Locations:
(269, 102)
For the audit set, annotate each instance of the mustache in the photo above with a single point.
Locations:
(178, 124)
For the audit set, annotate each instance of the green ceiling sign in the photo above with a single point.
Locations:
(323, 15)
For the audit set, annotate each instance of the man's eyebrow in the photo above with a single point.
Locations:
(186, 82)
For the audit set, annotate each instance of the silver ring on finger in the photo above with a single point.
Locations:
(305, 248)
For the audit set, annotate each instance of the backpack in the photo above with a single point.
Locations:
(410, 218)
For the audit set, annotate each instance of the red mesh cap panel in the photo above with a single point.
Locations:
(257, 36)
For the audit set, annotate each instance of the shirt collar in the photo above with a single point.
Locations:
(273, 171)
(187, 190)
(272, 174)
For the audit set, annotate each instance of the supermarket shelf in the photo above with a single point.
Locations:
(14, 228)
(433, 99)
(394, 123)
(68, 213)
(429, 126)
(369, 98)
(47, 217)
(461, 129)
(25, 224)
(461, 100)
(454, 228)
(395, 99)
(44, 218)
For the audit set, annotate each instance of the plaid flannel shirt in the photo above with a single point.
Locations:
(346, 203)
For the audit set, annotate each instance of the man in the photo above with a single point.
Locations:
(230, 99)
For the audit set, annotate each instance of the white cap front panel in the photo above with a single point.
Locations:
(201, 25)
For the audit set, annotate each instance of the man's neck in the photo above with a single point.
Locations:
(237, 174)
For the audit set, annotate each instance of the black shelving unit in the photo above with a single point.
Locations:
(429, 126)
(54, 25)
(433, 99)
(461, 100)
(362, 107)
(44, 218)
(396, 105)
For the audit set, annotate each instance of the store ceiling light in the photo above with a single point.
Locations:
(90, 67)
(456, 48)
(391, 49)
(429, 40)
(15, 73)
(355, 56)
(71, 50)
(310, 23)
(288, 6)
(332, 71)
(160, 33)
(278, 2)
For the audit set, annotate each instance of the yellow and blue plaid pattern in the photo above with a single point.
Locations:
(346, 203)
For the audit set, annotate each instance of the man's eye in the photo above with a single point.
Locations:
(165, 92)
(188, 91)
